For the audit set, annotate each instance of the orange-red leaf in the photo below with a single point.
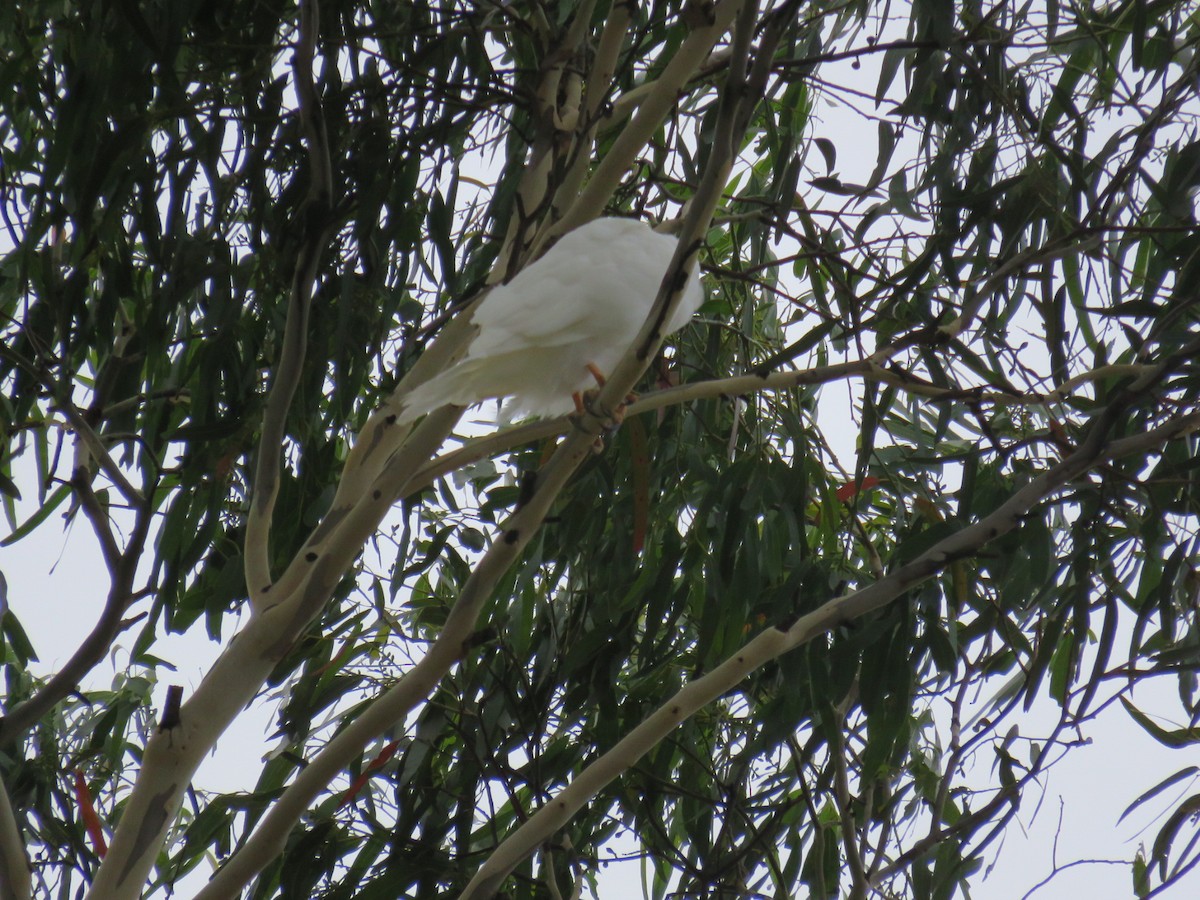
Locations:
(87, 812)
(846, 491)
(357, 785)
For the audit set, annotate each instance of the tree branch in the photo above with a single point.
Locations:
(93, 444)
(858, 879)
(599, 86)
(739, 385)
(94, 647)
(315, 222)
(608, 174)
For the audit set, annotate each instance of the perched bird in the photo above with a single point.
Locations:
(571, 315)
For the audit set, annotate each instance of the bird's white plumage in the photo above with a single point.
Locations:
(582, 303)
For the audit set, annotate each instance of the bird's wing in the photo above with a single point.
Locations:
(597, 283)
(544, 306)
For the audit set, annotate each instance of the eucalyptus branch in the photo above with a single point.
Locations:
(866, 369)
(96, 450)
(604, 64)
(97, 515)
(556, 137)
(650, 114)
(16, 882)
(381, 437)
(414, 686)
(1057, 870)
(315, 222)
(600, 78)
(94, 647)
(133, 402)
(774, 642)
(624, 105)
(846, 823)
(956, 752)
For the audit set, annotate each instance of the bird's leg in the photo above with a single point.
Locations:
(617, 416)
(597, 374)
(582, 400)
(584, 403)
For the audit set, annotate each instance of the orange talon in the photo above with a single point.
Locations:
(597, 374)
(583, 401)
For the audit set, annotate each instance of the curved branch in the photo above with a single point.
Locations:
(92, 650)
(315, 221)
(867, 369)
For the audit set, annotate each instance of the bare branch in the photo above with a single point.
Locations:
(1071, 865)
(599, 84)
(846, 823)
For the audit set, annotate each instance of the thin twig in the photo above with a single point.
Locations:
(92, 441)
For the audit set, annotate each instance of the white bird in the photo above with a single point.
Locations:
(576, 309)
